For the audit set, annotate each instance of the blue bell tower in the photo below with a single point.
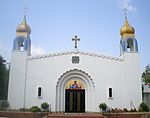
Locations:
(128, 43)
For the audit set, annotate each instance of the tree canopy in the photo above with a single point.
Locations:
(146, 75)
(3, 79)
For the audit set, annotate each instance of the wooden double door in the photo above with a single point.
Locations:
(75, 100)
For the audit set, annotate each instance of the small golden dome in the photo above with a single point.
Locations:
(23, 27)
(126, 29)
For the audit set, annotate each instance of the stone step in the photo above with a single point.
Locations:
(74, 115)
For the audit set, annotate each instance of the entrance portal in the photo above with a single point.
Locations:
(75, 100)
(75, 92)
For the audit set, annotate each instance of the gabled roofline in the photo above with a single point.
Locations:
(75, 52)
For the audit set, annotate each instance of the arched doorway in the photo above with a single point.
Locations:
(86, 93)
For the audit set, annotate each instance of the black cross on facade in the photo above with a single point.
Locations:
(75, 39)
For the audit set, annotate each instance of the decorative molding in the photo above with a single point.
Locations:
(75, 52)
(75, 59)
(77, 71)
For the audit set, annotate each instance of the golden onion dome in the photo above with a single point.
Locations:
(126, 29)
(23, 27)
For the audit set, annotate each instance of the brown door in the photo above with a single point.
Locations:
(75, 100)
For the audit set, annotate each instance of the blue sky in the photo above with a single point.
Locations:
(55, 22)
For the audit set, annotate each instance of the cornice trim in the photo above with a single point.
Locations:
(75, 52)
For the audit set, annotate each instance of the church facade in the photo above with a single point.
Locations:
(74, 81)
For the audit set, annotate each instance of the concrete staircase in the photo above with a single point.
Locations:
(74, 115)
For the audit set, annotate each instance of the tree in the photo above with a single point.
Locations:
(143, 107)
(146, 75)
(3, 79)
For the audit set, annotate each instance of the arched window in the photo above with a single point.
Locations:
(130, 45)
(110, 93)
(39, 92)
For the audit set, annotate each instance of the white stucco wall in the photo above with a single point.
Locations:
(17, 79)
(132, 79)
(121, 74)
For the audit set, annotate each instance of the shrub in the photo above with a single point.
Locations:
(4, 104)
(133, 110)
(143, 107)
(2, 109)
(45, 106)
(125, 110)
(103, 106)
(112, 110)
(35, 109)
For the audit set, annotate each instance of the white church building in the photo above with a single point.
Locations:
(74, 81)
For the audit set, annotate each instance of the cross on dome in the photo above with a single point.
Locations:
(25, 10)
(125, 12)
